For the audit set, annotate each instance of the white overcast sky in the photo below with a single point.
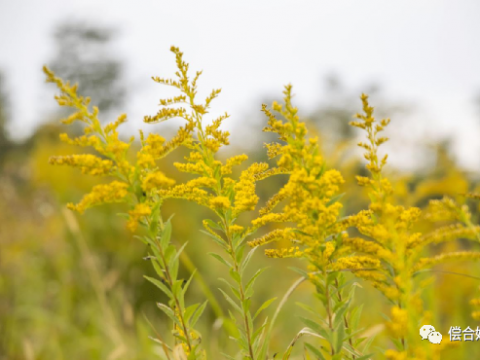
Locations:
(426, 53)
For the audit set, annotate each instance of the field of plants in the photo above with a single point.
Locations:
(161, 245)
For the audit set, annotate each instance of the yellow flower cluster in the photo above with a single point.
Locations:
(115, 191)
(88, 164)
(448, 257)
(310, 189)
(143, 175)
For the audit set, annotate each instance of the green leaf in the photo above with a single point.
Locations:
(177, 289)
(313, 312)
(249, 287)
(160, 285)
(235, 276)
(300, 271)
(198, 313)
(216, 238)
(177, 255)
(247, 260)
(232, 288)
(264, 306)
(317, 328)
(231, 302)
(221, 259)
(355, 316)
(239, 250)
(340, 337)
(258, 335)
(187, 284)
(169, 253)
(314, 350)
(166, 235)
(339, 314)
(335, 199)
(213, 225)
(157, 268)
(174, 269)
(246, 305)
(169, 312)
(189, 311)
(368, 343)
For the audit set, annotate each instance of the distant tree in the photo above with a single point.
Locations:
(85, 56)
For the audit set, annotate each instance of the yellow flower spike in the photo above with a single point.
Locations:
(443, 258)
(83, 140)
(233, 161)
(356, 263)
(275, 235)
(88, 164)
(115, 191)
(156, 180)
(292, 252)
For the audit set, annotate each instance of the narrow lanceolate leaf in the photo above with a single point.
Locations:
(189, 311)
(334, 199)
(231, 301)
(317, 328)
(235, 276)
(157, 268)
(303, 332)
(340, 313)
(300, 271)
(315, 350)
(251, 282)
(166, 235)
(258, 334)
(313, 312)
(216, 238)
(221, 259)
(169, 313)
(213, 224)
(187, 284)
(340, 338)
(231, 287)
(247, 260)
(180, 251)
(264, 306)
(198, 313)
(160, 285)
(355, 316)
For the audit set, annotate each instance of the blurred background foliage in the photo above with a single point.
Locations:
(73, 287)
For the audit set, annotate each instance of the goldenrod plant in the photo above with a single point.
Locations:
(310, 200)
(139, 185)
(394, 243)
(214, 188)
(385, 244)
